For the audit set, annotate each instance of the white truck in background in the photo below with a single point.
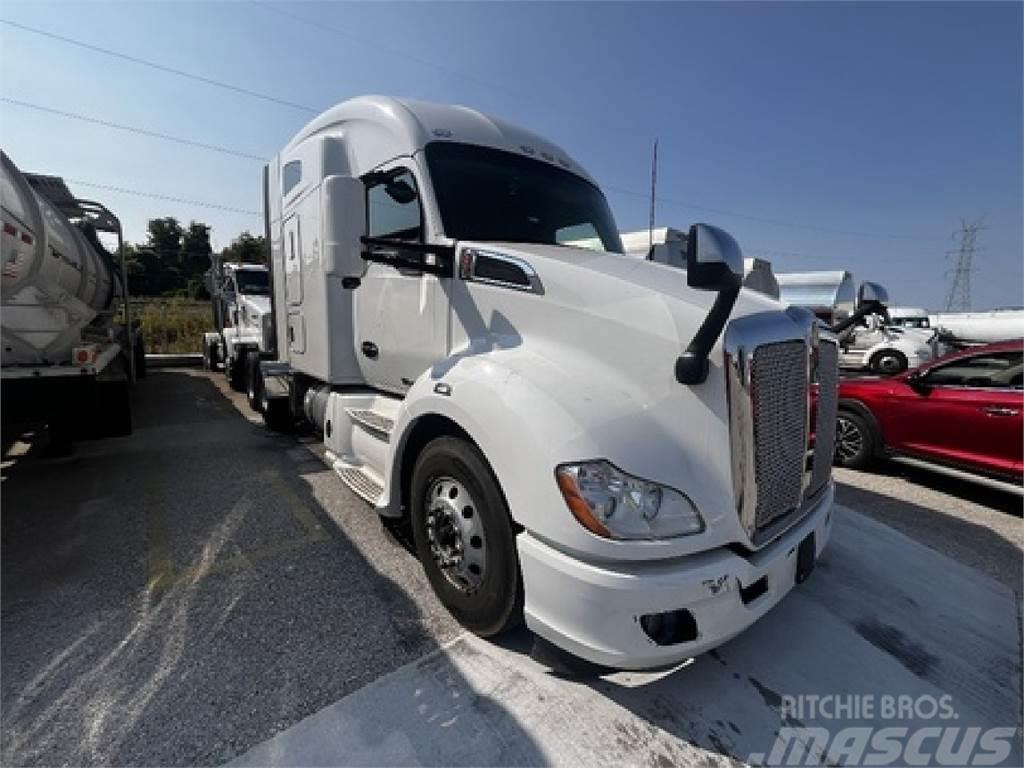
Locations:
(67, 358)
(868, 343)
(963, 329)
(240, 298)
(569, 434)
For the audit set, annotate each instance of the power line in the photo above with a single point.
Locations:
(161, 67)
(761, 219)
(322, 27)
(132, 129)
(294, 105)
(157, 196)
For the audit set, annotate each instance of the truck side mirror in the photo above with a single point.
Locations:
(872, 292)
(344, 212)
(714, 262)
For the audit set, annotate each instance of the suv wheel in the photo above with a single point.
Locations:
(855, 441)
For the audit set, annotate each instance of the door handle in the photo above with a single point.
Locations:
(994, 410)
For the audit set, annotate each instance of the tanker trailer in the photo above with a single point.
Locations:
(65, 360)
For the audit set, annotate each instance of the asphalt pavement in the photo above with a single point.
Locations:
(205, 591)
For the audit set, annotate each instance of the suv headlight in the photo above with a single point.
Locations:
(610, 503)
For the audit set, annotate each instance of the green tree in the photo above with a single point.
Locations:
(246, 248)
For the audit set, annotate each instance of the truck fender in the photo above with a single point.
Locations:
(462, 401)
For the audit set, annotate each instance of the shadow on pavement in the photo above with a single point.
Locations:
(177, 596)
(970, 543)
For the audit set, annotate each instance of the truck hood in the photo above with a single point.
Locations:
(585, 359)
(629, 273)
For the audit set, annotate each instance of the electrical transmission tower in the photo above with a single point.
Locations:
(959, 296)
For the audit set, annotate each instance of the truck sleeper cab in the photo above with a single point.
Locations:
(570, 434)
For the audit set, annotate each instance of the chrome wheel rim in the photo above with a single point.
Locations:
(849, 439)
(455, 534)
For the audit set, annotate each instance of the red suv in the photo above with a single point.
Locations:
(962, 411)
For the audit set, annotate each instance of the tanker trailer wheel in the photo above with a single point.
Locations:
(140, 358)
(254, 381)
(463, 536)
(888, 362)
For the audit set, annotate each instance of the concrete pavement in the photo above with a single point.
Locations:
(882, 617)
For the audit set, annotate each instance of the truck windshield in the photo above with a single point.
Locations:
(490, 195)
(253, 281)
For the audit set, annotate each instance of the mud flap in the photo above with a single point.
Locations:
(805, 557)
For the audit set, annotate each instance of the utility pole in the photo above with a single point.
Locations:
(959, 296)
(654, 185)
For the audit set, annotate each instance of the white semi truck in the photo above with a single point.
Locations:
(67, 357)
(240, 296)
(623, 455)
(870, 342)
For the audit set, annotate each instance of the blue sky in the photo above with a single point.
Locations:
(822, 135)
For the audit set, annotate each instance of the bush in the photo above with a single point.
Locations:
(173, 325)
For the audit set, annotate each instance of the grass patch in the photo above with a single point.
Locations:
(173, 326)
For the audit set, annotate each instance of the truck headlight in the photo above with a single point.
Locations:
(610, 503)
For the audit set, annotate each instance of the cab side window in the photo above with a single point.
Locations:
(999, 370)
(393, 207)
(291, 175)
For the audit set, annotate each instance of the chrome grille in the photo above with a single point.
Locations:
(771, 358)
(825, 415)
(779, 390)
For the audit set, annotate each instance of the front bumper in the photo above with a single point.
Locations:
(593, 610)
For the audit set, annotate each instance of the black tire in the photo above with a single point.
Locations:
(140, 359)
(207, 359)
(235, 370)
(889, 362)
(495, 604)
(855, 441)
(254, 381)
(276, 412)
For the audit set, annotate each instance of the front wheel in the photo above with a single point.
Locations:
(889, 362)
(463, 536)
(855, 441)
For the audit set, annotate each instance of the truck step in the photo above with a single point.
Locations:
(372, 421)
(362, 483)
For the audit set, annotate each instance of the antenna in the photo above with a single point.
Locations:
(959, 296)
(654, 185)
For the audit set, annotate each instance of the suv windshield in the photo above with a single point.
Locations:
(253, 281)
(490, 195)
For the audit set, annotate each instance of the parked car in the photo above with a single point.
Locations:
(960, 412)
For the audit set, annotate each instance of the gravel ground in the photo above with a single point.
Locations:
(975, 525)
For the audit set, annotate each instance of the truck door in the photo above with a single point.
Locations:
(401, 315)
(293, 283)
